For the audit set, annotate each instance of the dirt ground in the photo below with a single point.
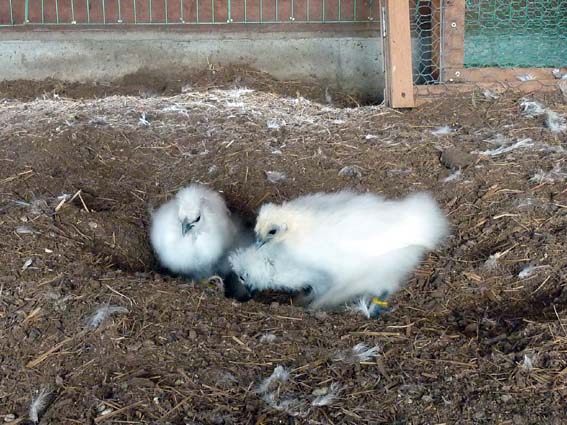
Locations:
(478, 335)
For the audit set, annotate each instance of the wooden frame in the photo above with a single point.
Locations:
(399, 91)
(455, 78)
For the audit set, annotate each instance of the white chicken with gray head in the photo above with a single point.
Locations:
(363, 244)
(192, 233)
(271, 267)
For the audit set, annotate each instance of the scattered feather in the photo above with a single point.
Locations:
(555, 122)
(328, 97)
(555, 175)
(237, 92)
(489, 94)
(39, 404)
(557, 74)
(351, 171)
(276, 176)
(527, 364)
(102, 313)
(358, 353)
(98, 121)
(492, 262)
(267, 338)
(520, 144)
(27, 264)
(274, 124)
(279, 375)
(328, 397)
(530, 271)
(532, 108)
(526, 77)
(25, 230)
(456, 176)
(143, 121)
(371, 137)
(291, 406)
(441, 131)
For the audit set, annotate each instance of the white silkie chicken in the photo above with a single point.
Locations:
(357, 245)
(193, 233)
(271, 267)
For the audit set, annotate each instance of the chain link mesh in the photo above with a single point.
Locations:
(425, 29)
(516, 33)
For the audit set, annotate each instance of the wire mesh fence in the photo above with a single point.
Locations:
(425, 23)
(497, 33)
(516, 33)
(179, 12)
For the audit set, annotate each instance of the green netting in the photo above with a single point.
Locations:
(516, 33)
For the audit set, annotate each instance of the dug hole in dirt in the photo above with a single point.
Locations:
(478, 334)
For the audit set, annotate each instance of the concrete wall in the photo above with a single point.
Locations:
(352, 63)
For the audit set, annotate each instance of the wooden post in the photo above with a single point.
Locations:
(453, 22)
(399, 74)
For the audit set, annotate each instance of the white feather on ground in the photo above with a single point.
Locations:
(359, 353)
(279, 375)
(38, 404)
(103, 313)
(193, 233)
(327, 398)
(344, 245)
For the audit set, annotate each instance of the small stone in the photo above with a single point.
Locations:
(93, 225)
(455, 159)
(320, 391)
(506, 398)
(10, 417)
(106, 411)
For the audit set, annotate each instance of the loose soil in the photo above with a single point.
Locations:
(474, 337)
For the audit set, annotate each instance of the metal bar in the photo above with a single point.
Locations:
(245, 12)
(308, 10)
(165, 12)
(354, 17)
(181, 18)
(56, 10)
(73, 12)
(119, 13)
(323, 11)
(339, 10)
(42, 12)
(103, 11)
(261, 13)
(229, 17)
(26, 11)
(292, 17)
(213, 11)
(197, 11)
(151, 15)
(276, 10)
(135, 13)
(88, 5)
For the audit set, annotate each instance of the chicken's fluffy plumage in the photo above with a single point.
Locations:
(200, 251)
(365, 245)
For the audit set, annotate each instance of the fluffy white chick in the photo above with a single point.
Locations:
(272, 268)
(192, 233)
(365, 244)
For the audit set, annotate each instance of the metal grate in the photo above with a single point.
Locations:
(516, 33)
(184, 12)
(426, 36)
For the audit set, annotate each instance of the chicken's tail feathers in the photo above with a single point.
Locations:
(427, 220)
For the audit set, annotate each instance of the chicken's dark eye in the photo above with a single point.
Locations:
(272, 232)
(198, 218)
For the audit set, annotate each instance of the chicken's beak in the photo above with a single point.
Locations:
(186, 227)
(259, 243)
